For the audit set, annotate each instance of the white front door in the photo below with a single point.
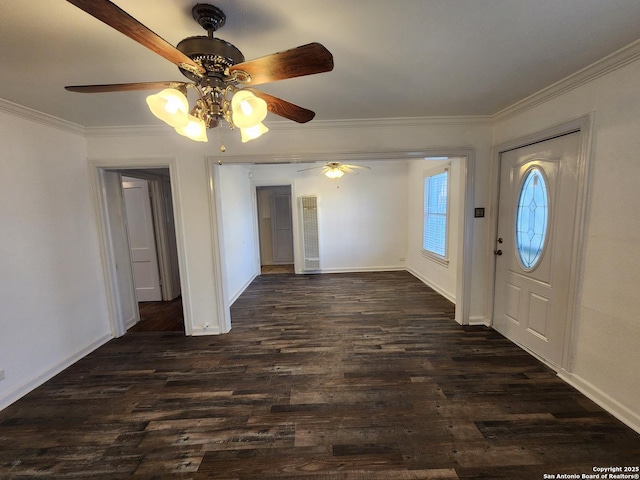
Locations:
(537, 205)
(141, 239)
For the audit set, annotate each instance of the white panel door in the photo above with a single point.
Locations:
(538, 194)
(142, 239)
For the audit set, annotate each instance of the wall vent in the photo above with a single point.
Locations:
(311, 247)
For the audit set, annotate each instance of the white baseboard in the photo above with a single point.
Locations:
(201, 331)
(52, 372)
(360, 269)
(484, 321)
(615, 408)
(241, 290)
(448, 295)
(131, 322)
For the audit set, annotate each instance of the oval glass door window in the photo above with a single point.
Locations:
(532, 218)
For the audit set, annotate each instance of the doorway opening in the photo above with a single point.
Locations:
(141, 251)
(275, 229)
(150, 226)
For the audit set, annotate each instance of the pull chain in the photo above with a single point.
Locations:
(222, 147)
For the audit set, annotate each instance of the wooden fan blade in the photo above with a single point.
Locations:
(297, 62)
(115, 17)
(310, 168)
(357, 166)
(123, 87)
(283, 108)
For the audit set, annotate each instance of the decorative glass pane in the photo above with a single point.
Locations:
(532, 218)
(435, 214)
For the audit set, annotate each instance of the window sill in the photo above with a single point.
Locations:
(434, 257)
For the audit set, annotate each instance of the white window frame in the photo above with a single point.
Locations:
(436, 257)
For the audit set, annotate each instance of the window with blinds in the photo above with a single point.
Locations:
(436, 213)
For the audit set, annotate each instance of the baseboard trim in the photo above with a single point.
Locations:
(52, 372)
(615, 408)
(202, 331)
(483, 321)
(242, 289)
(131, 322)
(359, 270)
(448, 295)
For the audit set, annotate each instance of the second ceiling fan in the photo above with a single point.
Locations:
(214, 68)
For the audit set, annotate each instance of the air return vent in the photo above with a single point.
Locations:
(310, 244)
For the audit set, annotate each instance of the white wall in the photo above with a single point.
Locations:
(52, 289)
(361, 217)
(237, 205)
(441, 277)
(606, 357)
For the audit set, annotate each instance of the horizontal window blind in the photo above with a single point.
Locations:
(436, 199)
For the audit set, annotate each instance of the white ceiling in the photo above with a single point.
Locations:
(402, 58)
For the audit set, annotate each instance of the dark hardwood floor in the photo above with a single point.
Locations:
(323, 377)
(160, 317)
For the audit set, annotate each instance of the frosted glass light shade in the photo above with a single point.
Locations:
(248, 110)
(170, 106)
(251, 133)
(195, 129)
(334, 173)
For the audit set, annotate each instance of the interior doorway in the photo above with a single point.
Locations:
(124, 304)
(275, 228)
(151, 234)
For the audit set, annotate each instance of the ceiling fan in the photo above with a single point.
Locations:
(214, 69)
(336, 169)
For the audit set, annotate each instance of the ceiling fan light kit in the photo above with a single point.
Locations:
(195, 129)
(171, 106)
(336, 170)
(215, 68)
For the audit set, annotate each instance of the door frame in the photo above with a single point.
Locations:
(467, 156)
(97, 169)
(260, 229)
(584, 127)
(256, 219)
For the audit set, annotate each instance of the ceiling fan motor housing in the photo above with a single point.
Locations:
(214, 54)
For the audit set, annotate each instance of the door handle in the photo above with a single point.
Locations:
(497, 252)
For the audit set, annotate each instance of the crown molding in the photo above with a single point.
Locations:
(128, 131)
(38, 117)
(384, 123)
(608, 64)
(402, 122)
